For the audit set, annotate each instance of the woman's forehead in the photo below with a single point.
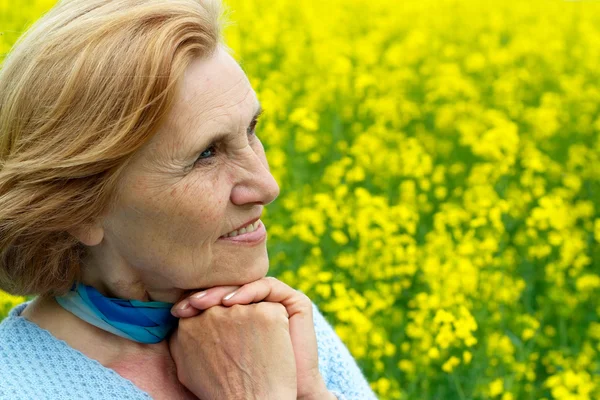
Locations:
(214, 97)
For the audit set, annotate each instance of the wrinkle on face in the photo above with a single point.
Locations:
(221, 115)
(165, 231)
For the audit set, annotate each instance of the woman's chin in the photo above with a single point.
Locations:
(240, 277)
(256, 272)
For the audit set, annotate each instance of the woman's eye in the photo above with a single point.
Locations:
(252, 127)
(206, 155)
(208, 152)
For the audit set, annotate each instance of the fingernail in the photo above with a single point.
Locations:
(199, 295)
(184, 306)
(230, 295)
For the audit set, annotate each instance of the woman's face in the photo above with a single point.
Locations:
(203, 175)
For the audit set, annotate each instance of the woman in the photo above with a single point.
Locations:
(132, 182)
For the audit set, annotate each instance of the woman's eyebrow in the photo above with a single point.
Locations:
(220, 135)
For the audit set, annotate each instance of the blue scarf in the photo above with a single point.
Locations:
(140, 321)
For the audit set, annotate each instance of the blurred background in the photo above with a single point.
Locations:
(439, 164)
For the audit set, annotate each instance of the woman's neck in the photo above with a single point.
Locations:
(149, 366)
(106, 348)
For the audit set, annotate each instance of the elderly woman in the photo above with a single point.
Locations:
(132, 184)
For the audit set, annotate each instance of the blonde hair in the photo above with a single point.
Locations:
(84, 88)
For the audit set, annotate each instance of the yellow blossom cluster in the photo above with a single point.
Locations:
(7, 302)
(439, 165)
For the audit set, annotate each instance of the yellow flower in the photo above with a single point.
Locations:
(339, 237)
(449, 365)
(433, 353)
(467, 357)
(496, 387)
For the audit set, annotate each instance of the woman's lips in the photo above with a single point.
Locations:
(257, 236)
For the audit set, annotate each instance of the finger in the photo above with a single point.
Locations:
(184, 300)
(272, 290)
(192, 304)
(186, 312)
(211, 297)
(182, 306)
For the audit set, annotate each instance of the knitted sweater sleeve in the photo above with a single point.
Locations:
(342, 375)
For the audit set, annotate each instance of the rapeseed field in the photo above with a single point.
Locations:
(439, 164)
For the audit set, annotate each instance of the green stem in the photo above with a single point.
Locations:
(458, 387)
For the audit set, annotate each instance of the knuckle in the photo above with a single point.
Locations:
(304, 299)
(272, 312)
(271, 279)
(238, 312)
(214, 312)
(238, 309)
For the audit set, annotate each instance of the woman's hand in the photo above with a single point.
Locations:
(310, 384)
(238, 352)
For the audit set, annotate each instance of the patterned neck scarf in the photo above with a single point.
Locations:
(140, 321)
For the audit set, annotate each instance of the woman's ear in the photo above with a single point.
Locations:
(90, 235)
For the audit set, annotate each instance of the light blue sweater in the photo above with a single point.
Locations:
(34, 365)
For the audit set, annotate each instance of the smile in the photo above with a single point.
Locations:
(246, 229)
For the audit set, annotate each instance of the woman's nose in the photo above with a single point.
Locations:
(259, 185)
